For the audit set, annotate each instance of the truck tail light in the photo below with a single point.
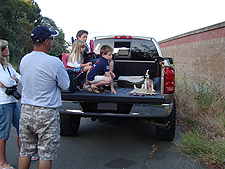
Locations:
(122, 37)
(169, 81)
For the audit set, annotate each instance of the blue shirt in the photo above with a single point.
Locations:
(99, 68)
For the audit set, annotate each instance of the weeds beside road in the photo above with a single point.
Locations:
(201, 110)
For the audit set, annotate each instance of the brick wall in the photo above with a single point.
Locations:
(200, 53)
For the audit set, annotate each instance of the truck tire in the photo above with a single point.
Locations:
(168, 135)
(69, 124)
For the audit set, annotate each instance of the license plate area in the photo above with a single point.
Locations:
(107, 106)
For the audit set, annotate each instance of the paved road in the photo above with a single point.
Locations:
(99, 146)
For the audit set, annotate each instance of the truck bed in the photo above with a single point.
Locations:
(122, 96)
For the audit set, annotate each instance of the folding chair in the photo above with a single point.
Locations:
(64, 59)
(80, 78)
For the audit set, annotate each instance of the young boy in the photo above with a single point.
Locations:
(100, 73)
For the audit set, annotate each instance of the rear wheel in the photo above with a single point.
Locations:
(168, 135)
(69, 124)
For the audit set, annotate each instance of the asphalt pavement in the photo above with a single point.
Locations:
(100, 146)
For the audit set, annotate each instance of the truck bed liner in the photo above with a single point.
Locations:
(122, 96)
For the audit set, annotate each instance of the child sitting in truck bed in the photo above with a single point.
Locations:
(75, 59)
(100, 73)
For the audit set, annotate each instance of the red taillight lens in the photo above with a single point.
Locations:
(169, 81)
(169, 87)
(122, 37)
(169, 73)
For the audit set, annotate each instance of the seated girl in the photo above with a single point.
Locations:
(75, 60)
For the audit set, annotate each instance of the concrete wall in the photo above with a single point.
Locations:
(200, 53)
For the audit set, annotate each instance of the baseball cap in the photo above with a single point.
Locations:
(41, 33)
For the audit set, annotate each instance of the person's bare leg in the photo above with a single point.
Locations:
(24, 162)
(18, 142)
(86, 81)
(45, 164)
(104, 81)
(3, 162)
(86, 69)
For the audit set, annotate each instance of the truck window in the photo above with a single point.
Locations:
(143, 50)
(135, 49)
(122, 49)
(100, 42)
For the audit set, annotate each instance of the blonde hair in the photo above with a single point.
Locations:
(76, 51)
(3, 60)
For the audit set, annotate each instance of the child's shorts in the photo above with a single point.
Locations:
(96, 79)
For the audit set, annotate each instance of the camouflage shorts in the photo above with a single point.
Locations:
(39, 132)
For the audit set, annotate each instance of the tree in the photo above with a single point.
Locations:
(28, 7)
(17, 20)
(24, 34)
(9, 27)
(27, 14)
(59, 44)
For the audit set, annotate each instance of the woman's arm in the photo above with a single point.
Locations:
(5, 78)
(14, 75)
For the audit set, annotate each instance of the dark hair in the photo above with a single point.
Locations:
(105, 49)
(81, 32)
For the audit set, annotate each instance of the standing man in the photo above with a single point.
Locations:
(42, 78)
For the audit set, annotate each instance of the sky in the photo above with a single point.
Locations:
(160, 19)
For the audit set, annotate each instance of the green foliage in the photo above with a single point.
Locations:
(201, 110)
(13, 16)
(17, 20)
(24, 34)
(7, 13)
(196, 144)
(28, 7)
(59, 45)
(207, 93)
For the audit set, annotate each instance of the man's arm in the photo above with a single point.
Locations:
(63, 80)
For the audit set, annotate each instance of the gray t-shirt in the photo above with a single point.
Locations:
(42, 78)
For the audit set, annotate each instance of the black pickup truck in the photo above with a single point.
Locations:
(133, 55)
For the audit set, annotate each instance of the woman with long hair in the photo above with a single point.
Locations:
(9, 110)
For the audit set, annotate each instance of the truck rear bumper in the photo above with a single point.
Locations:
(137, 110)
